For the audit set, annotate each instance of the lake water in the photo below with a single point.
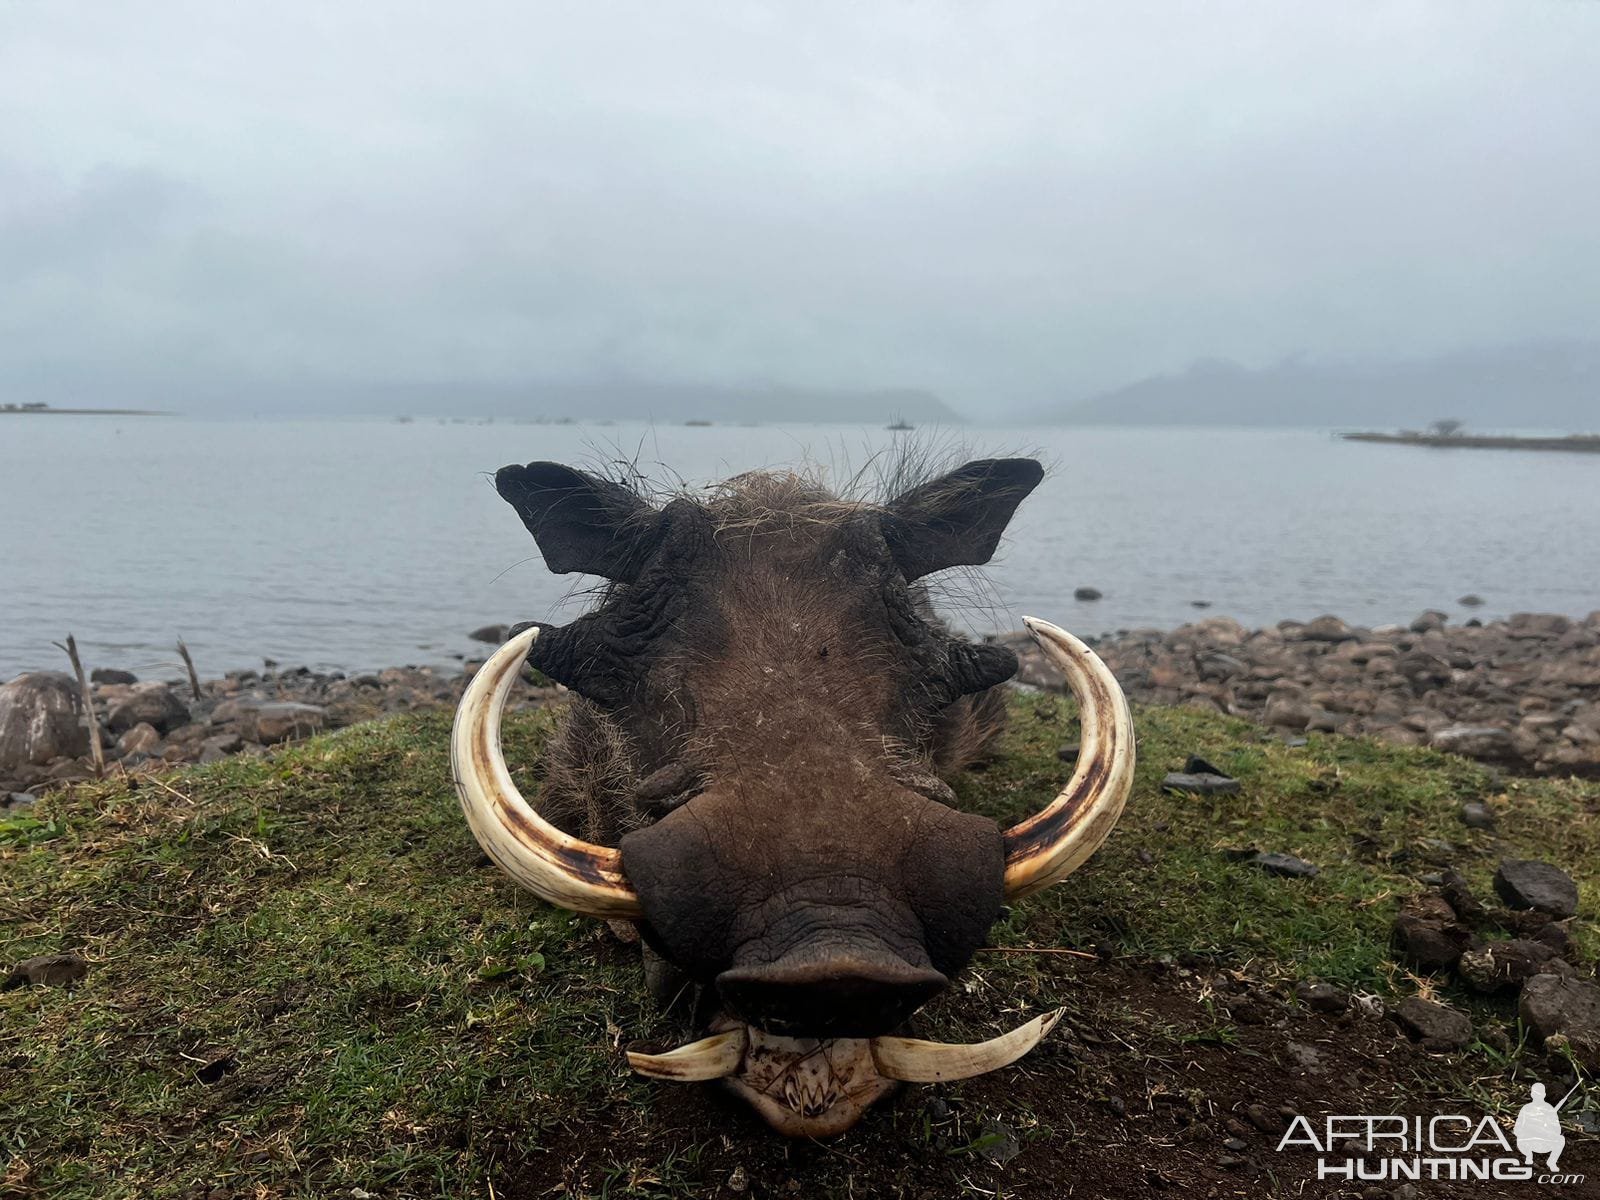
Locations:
(367, 544)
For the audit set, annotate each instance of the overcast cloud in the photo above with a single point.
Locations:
(1001, 202)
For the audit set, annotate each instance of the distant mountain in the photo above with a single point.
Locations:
(1549, 385)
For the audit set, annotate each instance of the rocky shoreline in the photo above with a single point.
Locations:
(1522, 694)
(147, 725)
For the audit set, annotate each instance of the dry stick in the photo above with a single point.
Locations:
(194, 680)
(71, 650)
(1034, 950)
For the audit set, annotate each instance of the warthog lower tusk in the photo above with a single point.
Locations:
(909, 1060)
(915, 1061)
(715, 1057)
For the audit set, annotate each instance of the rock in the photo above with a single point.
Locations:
(41, 720)
(1201, 784)
(153, 704)
(1428, 935)
(1475, 741)
(112, 675)
(1322, 997)
(1308, 1058)
(1087, 593)
(16, 801)
(998, 1142)
(271, 721)
(1475, 814)
(277, 722)
(1501, 966)
(492, 634)
(1433, 1025)
(1287, 865)
(47, 970)
(1536, 625)
(1527, 883)
(1553, 1006)
(1067, 753)
(141, 739)
(1326, 629)
(1470, 600)
(1429, 621)
(1286, 710)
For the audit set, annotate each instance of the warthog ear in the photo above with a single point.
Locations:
(957, 519)
(580, 521)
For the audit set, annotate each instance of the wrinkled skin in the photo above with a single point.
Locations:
(767, 712)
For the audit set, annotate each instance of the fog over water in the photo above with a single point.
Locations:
(366, 544)
(300, 207)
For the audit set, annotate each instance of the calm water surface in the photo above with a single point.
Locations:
(355, 545)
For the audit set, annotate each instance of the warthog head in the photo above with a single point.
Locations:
(752, 768)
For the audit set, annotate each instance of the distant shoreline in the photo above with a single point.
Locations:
(1574, 443)
(83, 412)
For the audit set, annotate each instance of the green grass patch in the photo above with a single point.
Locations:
(304, 980)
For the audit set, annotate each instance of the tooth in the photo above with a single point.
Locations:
(715, 1057)
(916, 1061)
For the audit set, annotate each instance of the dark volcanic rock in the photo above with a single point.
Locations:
(492, 634)
(1322, 997)
(1501, 966)
(1553, 1006)
(1434, 1025)
(1428, 934)
(1475, 814)
(1087, 593)
(153, 704)
(40, 720)
(112, 675)
(1527, 883)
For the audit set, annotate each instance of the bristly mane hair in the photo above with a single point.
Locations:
(813, 492)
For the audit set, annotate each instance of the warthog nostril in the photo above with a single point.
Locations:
(843, 997)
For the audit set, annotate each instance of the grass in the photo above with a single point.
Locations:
(305, 982)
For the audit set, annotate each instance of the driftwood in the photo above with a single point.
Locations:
(70, 649)
(194, 679)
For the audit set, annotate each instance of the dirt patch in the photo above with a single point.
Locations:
(1159, 1080)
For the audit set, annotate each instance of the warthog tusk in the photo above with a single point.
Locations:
(915, 1061)
(909, 1060)
(715, 1057)
(1053, 843)
(552, 865)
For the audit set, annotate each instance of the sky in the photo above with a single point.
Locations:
(227, 207)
